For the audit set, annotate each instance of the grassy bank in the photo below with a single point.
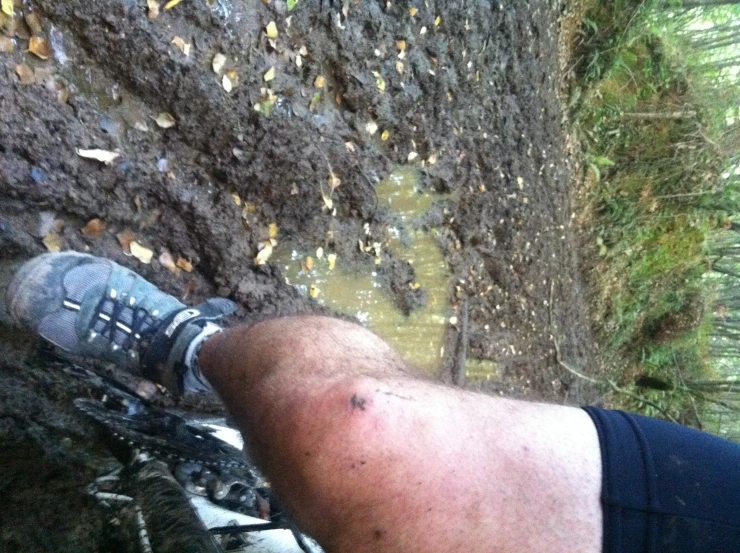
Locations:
(653, 130)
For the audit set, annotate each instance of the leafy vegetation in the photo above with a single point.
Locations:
(656, 108)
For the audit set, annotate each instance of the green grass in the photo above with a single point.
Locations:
(653, 198)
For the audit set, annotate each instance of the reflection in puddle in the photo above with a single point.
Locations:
(419, 337)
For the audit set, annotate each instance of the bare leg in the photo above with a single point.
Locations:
(369, 457)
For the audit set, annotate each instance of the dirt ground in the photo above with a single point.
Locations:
(472, 94)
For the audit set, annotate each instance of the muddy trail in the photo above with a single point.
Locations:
(282, 146)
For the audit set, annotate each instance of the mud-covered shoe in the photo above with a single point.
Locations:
(93, 307)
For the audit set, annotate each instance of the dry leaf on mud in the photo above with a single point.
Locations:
(320, 81)
(184, 264)
(53, 242)
(385, 136)
(399, 67)
(182, 45)
(401, 45)
(141, 253)
(153, 6)
(25, 73)
(100, 155)
(94, 228)
(309, 263)
(6, 45)
(332, 259)
(34, 23)
(371, 127)
(7, 7)
(350, 146)
(171, 4)
(40, 47)
(168, 262)
(164, 120)
(237, 199)
(432, 159)
(438, 21)
(328, 202)
(334, 181)
(413, 12)
(219, 60)
(319, 253)
(264, 254)
(125, 237)
(271, 30)
(227, 84)
(412, 156)
(313, 291)
(269, 75)
(379, 81)
(272, 230)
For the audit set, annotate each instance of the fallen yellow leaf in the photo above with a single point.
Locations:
(264, 254)
(272, 230)
(385, 136)
(332, 259)
(153, 6)
(171, 4)
(233, 77)
(168, 262)
(164, 120)
(25, 73)
(182, 45)
(309, 263)
(53, 241)
(33, 22)
(328, 202)
(227, 84)
(401, 45)
(399, 67)
(269, 75)
(125, 237)
(184, 264)
(94, 228)
(271, 30)
(379, 81)
(334, 181)
(438, 21)
(100, 155)
(313, 291)
(320, 81)
(219, 60)
(6, 45)
(237, 199)
(413, 11)
(141, 253)
(7, 7)
(40, 47)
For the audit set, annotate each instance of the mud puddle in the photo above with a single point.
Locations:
(420, 336)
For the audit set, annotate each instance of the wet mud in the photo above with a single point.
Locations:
(462, 93)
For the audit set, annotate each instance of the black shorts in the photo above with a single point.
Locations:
(666, 488)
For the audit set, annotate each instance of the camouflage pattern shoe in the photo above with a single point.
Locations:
(93, 307)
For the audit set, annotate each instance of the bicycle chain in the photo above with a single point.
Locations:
(167, 436)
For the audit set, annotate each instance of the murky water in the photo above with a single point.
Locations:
(419, 336)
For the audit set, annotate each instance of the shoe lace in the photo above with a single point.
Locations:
(141, 326)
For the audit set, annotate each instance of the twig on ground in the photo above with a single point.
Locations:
(458, 376)
(603, 381)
